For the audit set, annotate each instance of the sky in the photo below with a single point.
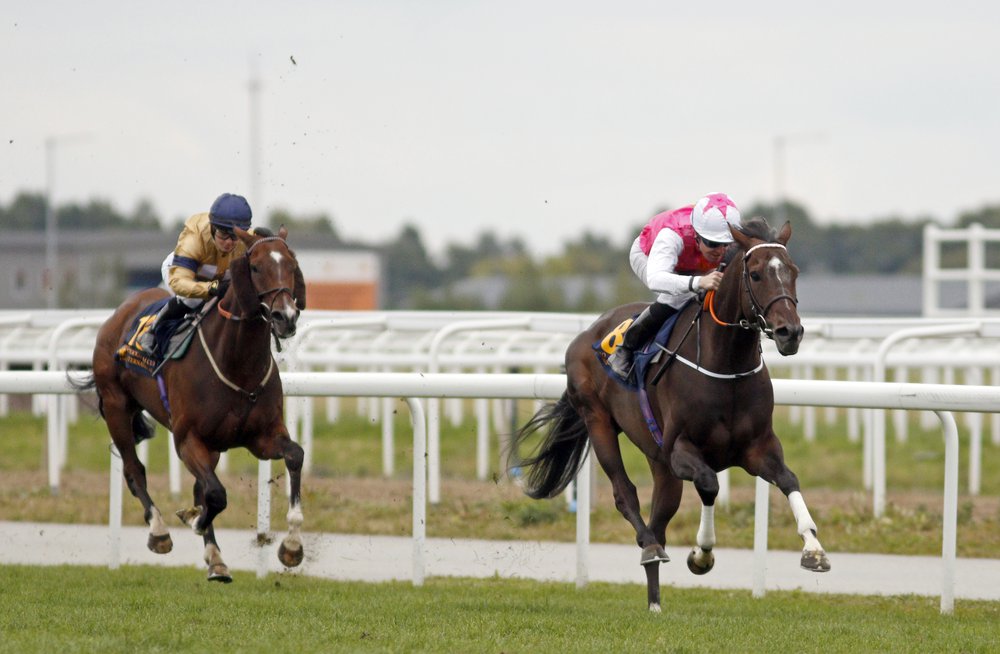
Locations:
(532, 119)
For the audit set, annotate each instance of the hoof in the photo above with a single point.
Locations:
(815, 561)
(655, 608)
(290, 557)
(219, 572)
(708, 562)
(190, 518)
(160, 544)
(653, 554)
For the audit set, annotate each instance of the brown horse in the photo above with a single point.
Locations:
(712, 396)
(224, 393)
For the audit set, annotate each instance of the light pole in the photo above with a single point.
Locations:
(51, 277)
(781, 142)
(260, 216)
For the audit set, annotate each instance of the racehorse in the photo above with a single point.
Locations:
(224, 393)
(710, 392)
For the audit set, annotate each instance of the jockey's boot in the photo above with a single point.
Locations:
(170, 311)
(643, 328)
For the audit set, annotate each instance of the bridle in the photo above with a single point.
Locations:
(759, 321)
(266, 309)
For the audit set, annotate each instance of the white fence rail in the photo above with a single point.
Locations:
(942, 399)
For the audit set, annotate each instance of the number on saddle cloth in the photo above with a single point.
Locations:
(643, 357)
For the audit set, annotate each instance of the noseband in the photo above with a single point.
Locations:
(759, 321)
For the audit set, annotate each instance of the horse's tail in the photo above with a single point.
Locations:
(85, 383)
(555, 461)
(142, 427)
(81, 384)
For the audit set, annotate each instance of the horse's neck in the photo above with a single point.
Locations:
(729, 347)
(241, 348)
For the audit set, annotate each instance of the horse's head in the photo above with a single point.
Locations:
(268, 280)
(768, 279)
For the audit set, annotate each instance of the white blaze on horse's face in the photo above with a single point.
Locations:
(781, 272)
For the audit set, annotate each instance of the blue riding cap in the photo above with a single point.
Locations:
(230, 210)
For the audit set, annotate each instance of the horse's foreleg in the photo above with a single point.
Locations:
(217, 568)
(687, 464)
(276, 444)
(290, 552)
(209, 494)
(771, 468)
(813, 556)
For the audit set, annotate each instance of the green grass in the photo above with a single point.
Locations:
(148, 609)
(346, 493)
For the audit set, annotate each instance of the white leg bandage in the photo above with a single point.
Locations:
(804, 521)
(706, 530)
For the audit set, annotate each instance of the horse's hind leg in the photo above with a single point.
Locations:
(666, 499)
(120, 422)
(768, 463)
(604, 440)
(686, 463)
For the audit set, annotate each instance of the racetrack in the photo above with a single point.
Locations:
(385, 558)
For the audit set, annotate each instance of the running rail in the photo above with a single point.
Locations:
(941, 398)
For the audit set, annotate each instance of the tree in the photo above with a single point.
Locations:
(145, 216)
(408, 268)
(27, 211)
(319, 223)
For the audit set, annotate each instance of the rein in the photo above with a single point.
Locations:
(759, 322)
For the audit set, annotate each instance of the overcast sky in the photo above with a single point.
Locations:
(535, 119)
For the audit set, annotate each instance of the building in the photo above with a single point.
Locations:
(99, 269)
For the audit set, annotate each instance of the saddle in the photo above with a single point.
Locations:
(644, 356)
(648, 354)
(173, 338)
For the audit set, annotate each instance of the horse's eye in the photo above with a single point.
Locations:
(755, 276)
(253, 269)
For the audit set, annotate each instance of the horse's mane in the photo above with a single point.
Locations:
(755, 227)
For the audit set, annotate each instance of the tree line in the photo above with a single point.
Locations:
(414, 279)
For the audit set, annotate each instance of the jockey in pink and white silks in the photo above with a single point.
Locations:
(676, 255)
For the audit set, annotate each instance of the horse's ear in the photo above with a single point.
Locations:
(785, 233)
(244, 236)
(741, 239)
(299, 292)
(243, 289)
(283, 233)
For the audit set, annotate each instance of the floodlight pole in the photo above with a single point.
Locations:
(780, 144)
(51, 278)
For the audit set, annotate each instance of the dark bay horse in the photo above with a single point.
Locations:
(224, 393)
(713, 400)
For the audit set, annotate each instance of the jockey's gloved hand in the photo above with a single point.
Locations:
(218, 288)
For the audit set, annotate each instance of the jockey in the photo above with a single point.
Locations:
(198, 268)
(675, 256)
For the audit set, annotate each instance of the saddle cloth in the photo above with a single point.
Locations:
(172, 338)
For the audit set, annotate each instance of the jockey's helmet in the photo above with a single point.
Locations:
(712, 217)
(230, 210)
